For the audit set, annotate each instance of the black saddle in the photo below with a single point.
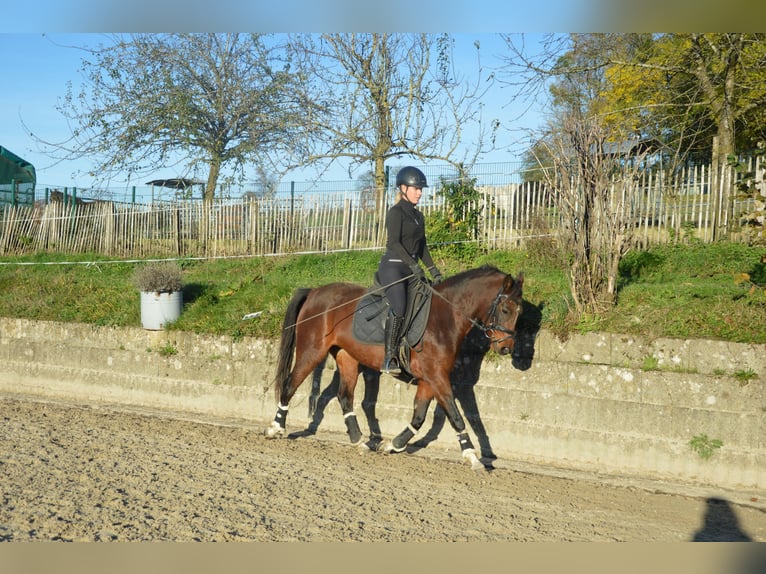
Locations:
(369, 324)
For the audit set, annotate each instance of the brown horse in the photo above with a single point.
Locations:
(319, 321)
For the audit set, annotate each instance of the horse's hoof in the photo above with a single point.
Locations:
(373, 444)
(470, 456)
(388, 447)
(274, 431)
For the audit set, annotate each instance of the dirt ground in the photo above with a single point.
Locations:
(76, 473)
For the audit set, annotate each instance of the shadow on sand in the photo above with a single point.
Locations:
(721, 524)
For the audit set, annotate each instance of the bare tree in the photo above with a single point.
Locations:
(384, 96)
(201, 101)
(595, 183)
(588, 161)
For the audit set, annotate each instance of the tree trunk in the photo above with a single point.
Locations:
(212, 179)
(379, 181)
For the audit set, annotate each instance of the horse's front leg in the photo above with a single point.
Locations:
(456, 420)
(446, 400)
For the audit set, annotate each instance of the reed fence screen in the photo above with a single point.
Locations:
(694, 203)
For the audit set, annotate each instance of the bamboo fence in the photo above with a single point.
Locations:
(693, 204)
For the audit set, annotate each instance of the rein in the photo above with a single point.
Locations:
(485, 326)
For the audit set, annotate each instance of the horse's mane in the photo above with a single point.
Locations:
(474, 273)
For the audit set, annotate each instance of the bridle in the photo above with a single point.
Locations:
(490, 324)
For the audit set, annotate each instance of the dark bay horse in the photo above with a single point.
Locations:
(319, 321)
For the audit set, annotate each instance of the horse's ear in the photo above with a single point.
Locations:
(514, 286)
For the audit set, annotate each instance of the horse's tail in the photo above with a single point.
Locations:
(287, 341)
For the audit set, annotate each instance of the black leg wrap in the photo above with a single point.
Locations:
(465, 441)
(401, 440)
(281, 417)
(352, 428)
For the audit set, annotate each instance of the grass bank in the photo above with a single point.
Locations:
(668, 291)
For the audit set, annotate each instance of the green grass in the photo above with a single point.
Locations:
(668, 291)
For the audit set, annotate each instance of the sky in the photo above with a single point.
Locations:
(40, 65)
(36, 64)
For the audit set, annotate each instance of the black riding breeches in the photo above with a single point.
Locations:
(392, 275)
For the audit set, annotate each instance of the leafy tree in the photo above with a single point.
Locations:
(203, 101)
(694, 92)
(587, 162)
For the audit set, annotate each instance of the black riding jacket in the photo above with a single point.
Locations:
(406, 228)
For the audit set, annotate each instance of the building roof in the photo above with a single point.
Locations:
(175, 183)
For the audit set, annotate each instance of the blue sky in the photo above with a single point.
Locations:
(35, 65)
(38, 67)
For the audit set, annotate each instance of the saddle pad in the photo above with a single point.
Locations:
(369, 323)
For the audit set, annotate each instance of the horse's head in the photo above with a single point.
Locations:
(504, 312)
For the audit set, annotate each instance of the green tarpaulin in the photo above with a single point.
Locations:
(17, 179)
(13, 168)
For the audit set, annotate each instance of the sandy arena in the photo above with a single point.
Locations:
(77, 473)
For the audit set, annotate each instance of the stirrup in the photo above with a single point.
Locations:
(391, 367)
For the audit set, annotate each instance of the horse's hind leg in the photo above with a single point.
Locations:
(304, 366)
(371, 391)
(348, 367)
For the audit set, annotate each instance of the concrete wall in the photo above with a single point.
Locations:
(588, 403)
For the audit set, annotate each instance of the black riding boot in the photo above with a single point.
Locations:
(393, 329)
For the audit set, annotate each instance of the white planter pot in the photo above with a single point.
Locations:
(158, 309)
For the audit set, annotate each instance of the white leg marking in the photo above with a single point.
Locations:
(274, 430)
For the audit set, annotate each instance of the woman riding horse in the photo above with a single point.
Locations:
(405, 248)
(319, 322)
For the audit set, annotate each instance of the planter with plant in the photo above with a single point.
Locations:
(160, 284)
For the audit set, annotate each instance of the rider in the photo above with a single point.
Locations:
(405, 247)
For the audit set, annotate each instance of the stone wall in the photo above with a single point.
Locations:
(598, 402)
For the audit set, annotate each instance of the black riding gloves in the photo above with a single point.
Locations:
(417, 272)
(436, 274)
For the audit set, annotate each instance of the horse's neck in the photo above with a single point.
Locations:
(472, 302)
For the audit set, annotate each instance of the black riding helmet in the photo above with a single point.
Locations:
(411, 176)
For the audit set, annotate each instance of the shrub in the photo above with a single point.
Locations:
(158, 277)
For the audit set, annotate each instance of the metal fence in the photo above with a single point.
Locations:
(313, 220)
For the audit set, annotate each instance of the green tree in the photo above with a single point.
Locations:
(201, 101)
(692, 91)
(455, 229)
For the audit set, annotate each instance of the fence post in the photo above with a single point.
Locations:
(347, 223)
(291, 229)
